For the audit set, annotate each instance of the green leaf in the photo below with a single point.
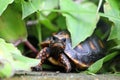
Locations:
(11, 60)
(23, 63)
(5, 68)
(99, 5)
(4, 4)
(5, 49)
(12, 27)
(80, 19)
(61, 22)
(112, 12)
(47, 23)
(30, 7)
(34, 5)
(48, 5)
(117, 44)
(94, 68)
(46, 8)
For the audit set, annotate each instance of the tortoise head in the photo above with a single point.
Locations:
(59, 40)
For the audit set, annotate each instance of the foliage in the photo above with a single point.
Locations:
(111, 9)
(77, 19)
(11, 60)
(98, 64)
(4, 4)
(34, 20)
(12, 27)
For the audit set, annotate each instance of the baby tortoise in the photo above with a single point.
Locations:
(58, 50)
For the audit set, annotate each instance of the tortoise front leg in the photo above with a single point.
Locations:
(65, 62)
(42, 55)
(62, 61)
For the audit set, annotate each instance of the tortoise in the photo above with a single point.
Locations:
(58, 50)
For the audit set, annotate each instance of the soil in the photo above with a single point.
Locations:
(61, 76)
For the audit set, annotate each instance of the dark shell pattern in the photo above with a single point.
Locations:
(62, 54)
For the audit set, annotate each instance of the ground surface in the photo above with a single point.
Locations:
(61, 76)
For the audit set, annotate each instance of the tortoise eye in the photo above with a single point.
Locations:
(54, 38)
(64, 39)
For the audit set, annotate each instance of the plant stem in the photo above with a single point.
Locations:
(38, 27)
(29, 45)
(17, 42)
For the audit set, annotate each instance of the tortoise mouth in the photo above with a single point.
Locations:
(57, 48)
(58, 45)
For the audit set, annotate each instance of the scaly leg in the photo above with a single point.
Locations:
(65, 62)
(61, 60)
(42, 55)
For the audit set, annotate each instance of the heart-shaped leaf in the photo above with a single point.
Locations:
(30, 7)
(12, 27)
(81, 19)
(4, 4)
(11, 60)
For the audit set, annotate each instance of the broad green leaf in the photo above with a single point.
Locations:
(99, 5)
(45, 6)
(5, 59)
(61, 23)
(12, 27)
(17, 1)
(5, 68)
(4, 4)
(112, 12)
(4, 50)
(47, 23)
(94, 68)
(48, 5)
(116, 47)
(11, 60)
(23, 63)
(30, 7)
(81, 19)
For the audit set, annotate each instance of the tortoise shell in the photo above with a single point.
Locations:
(58, 50)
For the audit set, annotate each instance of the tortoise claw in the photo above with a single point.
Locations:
(67, 69)
(36, 68)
